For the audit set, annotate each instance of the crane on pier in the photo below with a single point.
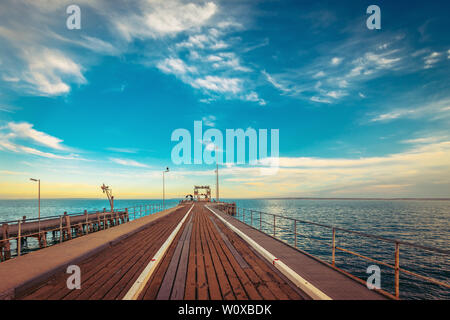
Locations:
(108, 192)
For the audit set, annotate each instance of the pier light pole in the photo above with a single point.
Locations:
(217, 173)
(39, 206)
(164, 192)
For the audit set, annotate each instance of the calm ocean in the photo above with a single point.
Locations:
(425, 222)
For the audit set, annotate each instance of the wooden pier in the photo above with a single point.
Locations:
(194, 251)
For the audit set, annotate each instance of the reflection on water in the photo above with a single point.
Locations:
(422, 222)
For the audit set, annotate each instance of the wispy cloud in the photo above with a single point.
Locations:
(7, 109)
(45, 61)
(431, 59)
(129, 163)
(123, 150)
(25, 132)
(320, 100)
(341, 71)
(161, 18)
(49, 70)
(336, 61)
(219, 84)
(282, 85)
(174, 66)
(436, 110)
(209, 121)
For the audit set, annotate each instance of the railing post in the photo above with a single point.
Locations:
(397, 270)
(60, 229)
(260, 223)
(243, 216)
(104, 218)
(87, 222)
(333, 250)
(18, 239)
(295, 233)
(251, 218)
(274, 232)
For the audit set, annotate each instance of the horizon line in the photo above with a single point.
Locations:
(250, 198)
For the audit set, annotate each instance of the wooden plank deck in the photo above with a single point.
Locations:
(110, 273)
(206, 260)
(215, 264)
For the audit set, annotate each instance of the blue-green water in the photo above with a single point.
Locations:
(418, 221)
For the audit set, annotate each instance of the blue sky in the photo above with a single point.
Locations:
(360, 112)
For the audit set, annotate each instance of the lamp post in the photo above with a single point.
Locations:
(39, 206)
(164, 192)
(217, 173)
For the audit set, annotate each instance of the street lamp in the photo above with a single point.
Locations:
(217, 174)
(164, 192)
(39, 206)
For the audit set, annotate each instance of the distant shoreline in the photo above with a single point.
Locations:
(390, 199)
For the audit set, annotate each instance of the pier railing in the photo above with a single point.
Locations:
(272, 224)
(65, 227)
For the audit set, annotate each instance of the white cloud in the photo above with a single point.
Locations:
(175, 66)
(128, 162)
(227, 60)
(410, 173)
(195, 41)
(98, 45)
(218, 84)
(5, 144)
(431, 59)
(48, 69)
(336, 61)
(122, 150)
(280, 86)
(434, 111)
(209, 121)
(25, 130)
(319, 74)
(343, 83)
(320, 100)
(336, 94)
(162, 18)
(253, 96)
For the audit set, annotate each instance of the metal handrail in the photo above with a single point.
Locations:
(74, 214)
(136, 211)
(396, 267)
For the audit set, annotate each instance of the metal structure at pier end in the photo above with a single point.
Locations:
(202, 196)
